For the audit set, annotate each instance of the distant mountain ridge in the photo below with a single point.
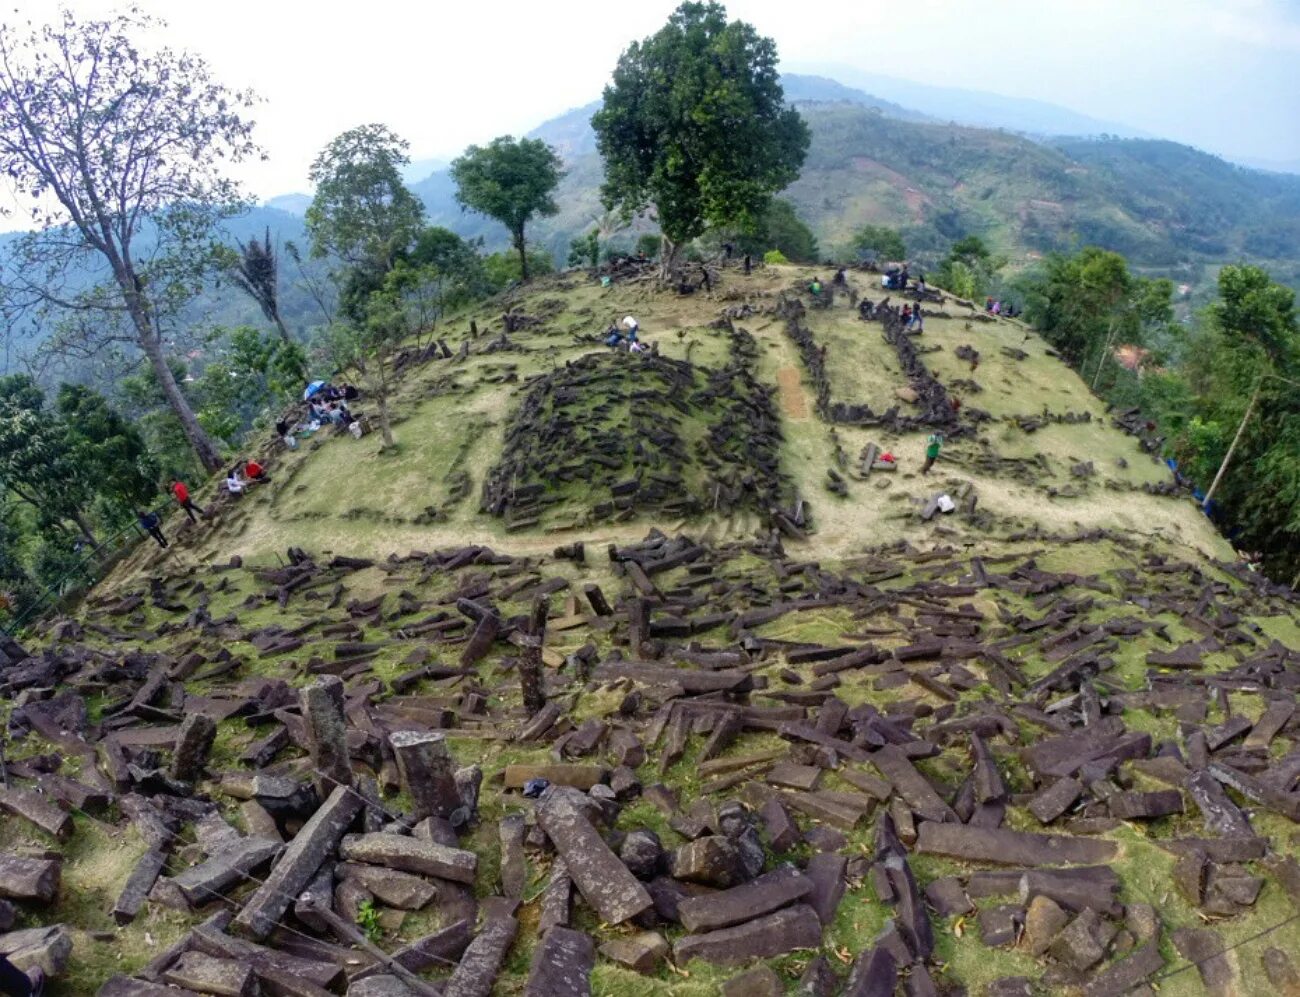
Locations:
(979, 108)
(1168, 207)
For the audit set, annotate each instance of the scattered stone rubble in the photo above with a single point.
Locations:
(973, 710)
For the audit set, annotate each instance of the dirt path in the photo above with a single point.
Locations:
(793, 401)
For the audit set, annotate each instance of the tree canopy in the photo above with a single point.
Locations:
(37, 464)
(107, 447)
(509, 180)
(695, 124)
(879, 242)
(780, 228)
(969, 269)
(363, 214)
(119, 152)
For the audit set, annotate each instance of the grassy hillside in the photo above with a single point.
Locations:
(452, 418)
(1062, 533)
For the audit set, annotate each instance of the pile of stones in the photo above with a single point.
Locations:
(617, 426)
(969, 699)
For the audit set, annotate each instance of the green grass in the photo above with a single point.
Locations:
(343, 496)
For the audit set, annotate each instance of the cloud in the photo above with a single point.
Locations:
(1267, 24)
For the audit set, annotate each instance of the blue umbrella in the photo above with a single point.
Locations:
(312, 388)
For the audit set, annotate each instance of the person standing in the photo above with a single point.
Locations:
(152, 524)
(932, 445)
(183, 499)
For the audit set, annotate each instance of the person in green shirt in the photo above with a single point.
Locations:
(932, 444)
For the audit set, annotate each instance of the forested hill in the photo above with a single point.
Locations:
(1164, 205)
(1168, 208)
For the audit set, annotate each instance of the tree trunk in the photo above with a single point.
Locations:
(1105, 350)
(84, 527)
(283, 329)
(523, 256)
(667, 256)
(1227, 458)
(381, 399)
(146, 337)
(199, 440)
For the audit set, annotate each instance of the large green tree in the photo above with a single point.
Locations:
(970, 268)
(119, 151)
(695, 124)
(363, 214)
(37, 463)
(107, 447)
(879, 242)
(780, 228)
(509, 180)
(1245, 370)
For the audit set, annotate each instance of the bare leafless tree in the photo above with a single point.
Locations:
(121, 152)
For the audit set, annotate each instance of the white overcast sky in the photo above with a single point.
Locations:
(1220, 74)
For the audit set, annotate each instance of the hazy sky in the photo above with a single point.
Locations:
(1220, 74)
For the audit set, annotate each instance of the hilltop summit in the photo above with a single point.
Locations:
(656, 652)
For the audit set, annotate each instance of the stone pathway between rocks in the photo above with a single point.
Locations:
(793, 402)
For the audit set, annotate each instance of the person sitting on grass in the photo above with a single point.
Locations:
(234, 483)
(255, 472)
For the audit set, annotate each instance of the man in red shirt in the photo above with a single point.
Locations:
(255, 471)
(183, 499)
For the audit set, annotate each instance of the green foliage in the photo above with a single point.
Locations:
(37, 462)
(969, 269)
(503, 269)
(142, 401)
(585, 251)
(368, 920)
(61, 565)
(1255, 312)
(774, 256)
(509, 180)
(363, 214)
(649, 244)
(455, 261)
(1089, 304)
(695, 124)
(1248, 351)
(120, 148)
(1241, 370)
(879, 242)
(108, 448)
(254, 375)
(780, 228)
(18, 590)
